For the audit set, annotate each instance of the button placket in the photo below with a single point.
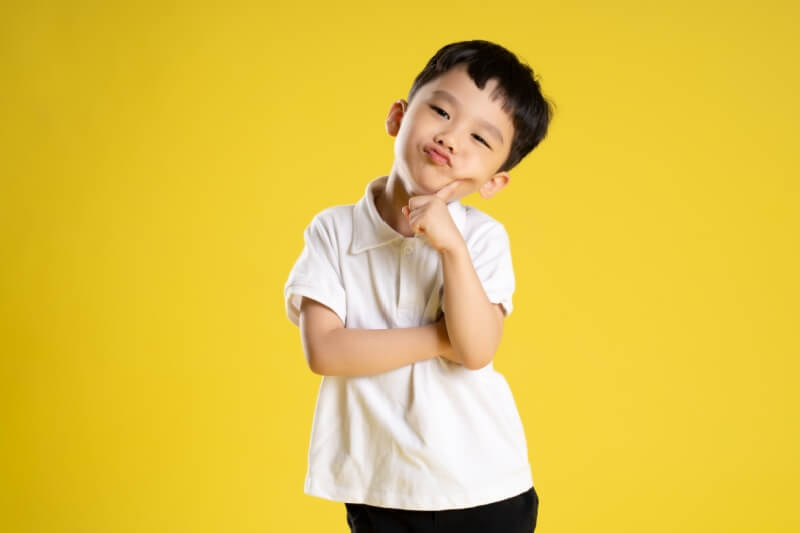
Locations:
(406, 304)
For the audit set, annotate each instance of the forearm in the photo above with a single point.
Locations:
(474, 324)
(358, 352)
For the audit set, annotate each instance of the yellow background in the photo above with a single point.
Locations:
(159, 162)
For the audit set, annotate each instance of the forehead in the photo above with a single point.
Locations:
(455, 86)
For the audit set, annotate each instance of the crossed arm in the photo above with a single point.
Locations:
(334, 350)
(469, 334)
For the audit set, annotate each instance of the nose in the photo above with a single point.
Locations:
(446, 139)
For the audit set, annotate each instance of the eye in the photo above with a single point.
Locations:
(480, 139)
(440, 111)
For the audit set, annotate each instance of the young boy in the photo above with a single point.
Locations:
(400, 300)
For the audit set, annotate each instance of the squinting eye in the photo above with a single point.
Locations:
(440, 111)
(481, 140)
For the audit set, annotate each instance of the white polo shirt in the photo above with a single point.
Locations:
(431, 435)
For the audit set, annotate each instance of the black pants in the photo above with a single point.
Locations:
(513, 515)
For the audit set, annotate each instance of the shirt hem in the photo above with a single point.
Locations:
(517, 484)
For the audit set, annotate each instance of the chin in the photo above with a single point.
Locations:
(430, 182)
(415, 187)
(420, 188)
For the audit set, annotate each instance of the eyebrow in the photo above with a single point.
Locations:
(452, 99)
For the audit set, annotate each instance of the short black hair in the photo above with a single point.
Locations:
(530, 111)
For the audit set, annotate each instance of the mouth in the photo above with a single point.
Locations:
(436, 156)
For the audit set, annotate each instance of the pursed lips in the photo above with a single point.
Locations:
(438, 157)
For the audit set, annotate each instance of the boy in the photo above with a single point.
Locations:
(400, 300)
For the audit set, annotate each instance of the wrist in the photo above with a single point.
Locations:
(444, 347)
(456, 251)
(442, 339)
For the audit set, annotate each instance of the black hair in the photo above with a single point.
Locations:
(530, 111)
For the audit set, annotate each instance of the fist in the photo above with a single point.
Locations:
(428, 215)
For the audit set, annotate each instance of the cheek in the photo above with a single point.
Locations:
(400, 145)
(405, 145)
(404, 152)
(401, 141)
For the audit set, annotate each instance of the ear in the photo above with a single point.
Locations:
(494, 185)
(395, 117)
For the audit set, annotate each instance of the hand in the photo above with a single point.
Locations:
(428, 215)
(447, 351)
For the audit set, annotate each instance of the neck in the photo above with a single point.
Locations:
(390, 201)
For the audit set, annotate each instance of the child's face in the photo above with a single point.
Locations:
(453, 117)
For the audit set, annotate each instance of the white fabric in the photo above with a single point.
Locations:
(431, 435)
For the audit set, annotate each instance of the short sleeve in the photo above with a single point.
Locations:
(491, 257)
(316, 273)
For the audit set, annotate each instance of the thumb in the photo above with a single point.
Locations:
(447, 191)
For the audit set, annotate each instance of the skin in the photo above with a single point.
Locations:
(473, 130)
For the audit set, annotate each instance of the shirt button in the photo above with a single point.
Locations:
(408, 249)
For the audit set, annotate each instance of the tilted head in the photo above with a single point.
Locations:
(522, 97)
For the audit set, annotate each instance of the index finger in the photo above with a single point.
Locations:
(447, 191)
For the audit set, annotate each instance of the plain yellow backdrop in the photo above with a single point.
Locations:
(159, 162)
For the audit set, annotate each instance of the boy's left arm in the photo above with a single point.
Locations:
(474, 324)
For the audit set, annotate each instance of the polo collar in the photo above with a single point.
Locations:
(371, 231)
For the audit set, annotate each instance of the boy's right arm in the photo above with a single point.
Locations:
(334, 350)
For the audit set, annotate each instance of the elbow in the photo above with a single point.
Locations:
(315, 357)
(476, 351)
(477, 364)
(316, 362)
(475, 356)
(475, 360)
(314, 366)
